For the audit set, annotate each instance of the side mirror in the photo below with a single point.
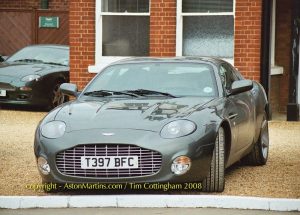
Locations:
(241, 86)
(69, 89)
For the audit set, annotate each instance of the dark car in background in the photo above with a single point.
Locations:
(32, 76)
(155, 120)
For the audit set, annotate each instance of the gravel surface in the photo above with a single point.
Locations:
(279, 178)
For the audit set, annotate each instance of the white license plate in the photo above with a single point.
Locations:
(109, 162)
(3, 93)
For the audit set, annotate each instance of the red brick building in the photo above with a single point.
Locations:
(255, 35)
(162, 18)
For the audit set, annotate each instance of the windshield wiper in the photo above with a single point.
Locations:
(103, 93)
(28, 60)
(52, 63)
(150, 92)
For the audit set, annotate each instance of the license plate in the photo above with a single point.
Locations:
(109, 162)
(3, 93)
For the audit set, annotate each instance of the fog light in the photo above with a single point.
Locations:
(23, 97)
(43, 166)
(181, 165)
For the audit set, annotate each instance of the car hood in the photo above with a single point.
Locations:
(144, 114)
(12, 71)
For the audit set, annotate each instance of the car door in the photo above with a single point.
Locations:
(240, 111)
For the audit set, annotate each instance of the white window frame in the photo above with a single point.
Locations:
(275, 70)
(179, 25)
(100, 60)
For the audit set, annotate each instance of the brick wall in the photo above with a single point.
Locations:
(283, 49)
(247, 37)
(82, 40)
(163, 36)
(29, 4)
(59, 4)
(82, 35)
(163, 28)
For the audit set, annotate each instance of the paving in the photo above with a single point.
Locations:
(144, 211)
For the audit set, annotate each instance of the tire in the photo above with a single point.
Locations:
(259, 154)
(56, 97)
(215, 181)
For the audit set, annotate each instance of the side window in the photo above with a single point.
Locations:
(237, 75)
(227, 76)
(125, 27)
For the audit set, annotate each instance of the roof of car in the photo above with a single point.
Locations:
(50, 46)
(170, 59)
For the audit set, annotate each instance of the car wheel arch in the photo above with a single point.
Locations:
(264, 109)
(54, 86)
(268, 111)
(60, 79)
(50, 80)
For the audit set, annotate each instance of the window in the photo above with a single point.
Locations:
(227, 76)
(121, 6)
(122, 29)
(205, 28)
(179, 79)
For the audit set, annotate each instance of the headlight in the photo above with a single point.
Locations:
(178, 128)
(54, 129)
(28, 78)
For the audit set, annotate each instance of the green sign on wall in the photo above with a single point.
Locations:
(49, 22)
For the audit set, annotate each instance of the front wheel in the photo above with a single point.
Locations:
(56, 97)
(259, 154)
(215, 181)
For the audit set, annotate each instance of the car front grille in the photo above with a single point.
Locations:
(68, 162)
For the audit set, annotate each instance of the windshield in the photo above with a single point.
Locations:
(41, 54)
(178, 79)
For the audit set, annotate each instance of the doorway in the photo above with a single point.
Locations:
(283, 61)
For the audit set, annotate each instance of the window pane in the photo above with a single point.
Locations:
(132, 6)
(125, 35)
(205, 6)
(208, 36)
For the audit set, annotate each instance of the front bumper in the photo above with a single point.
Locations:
(199, 150)
(16, 96)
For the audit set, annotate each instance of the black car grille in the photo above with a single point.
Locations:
(69, 161)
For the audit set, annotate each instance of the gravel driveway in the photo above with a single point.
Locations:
(279, 178)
